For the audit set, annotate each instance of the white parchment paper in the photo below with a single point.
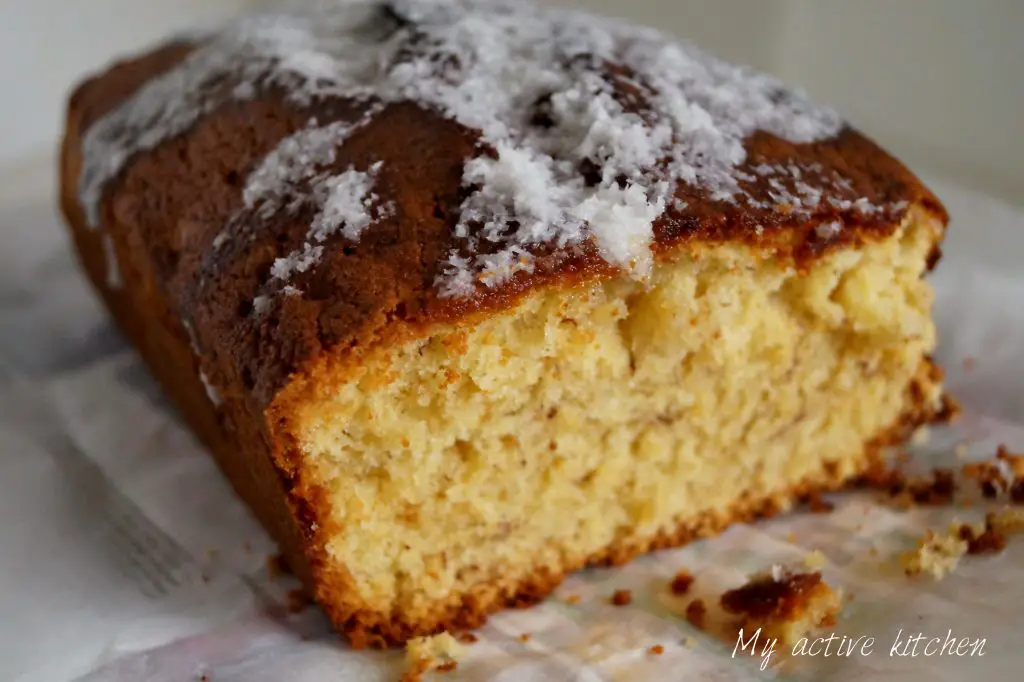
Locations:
(73, 606)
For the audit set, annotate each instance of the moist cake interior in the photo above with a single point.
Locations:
(577, 426)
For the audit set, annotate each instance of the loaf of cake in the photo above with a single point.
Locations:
(464, 296)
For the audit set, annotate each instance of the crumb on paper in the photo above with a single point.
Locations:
(961, 451)
(935, 554)
(949, 411)
(468, 638)
(815, 560)
(414, 669)
(989, 477)
(790, 536)
(681, 583)
(786, 607)
(818, 504)
(1002, 475)
(276, 566)
(447, 666)
(298, 600)
(572, 599)
(657, 650)
(1014, 460)
(525, 637)
(696, 613)
(984, 540)
(936, 489)
(689, 642)
(940, 554)
(622, 598)
(1008, 521)
(424, 653)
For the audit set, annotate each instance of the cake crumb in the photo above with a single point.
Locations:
(689, 642)
(525, 637)
(468, 638)
(622, 598)
(447, 666)
(276, 566)
(988, 476)
(935, 490)
(784, 606)
(424, 653)
(961, 451)
(681, 583)
(818, 504)
(937, 555)
(790, 536)
(572, 599)
(1014, 460)
(815, 560)
(414, 669)
(949, 411)
(1004, 475)
(985, 540)
(657, 650)
(1007, 521)
(298, 600)
(696, 613)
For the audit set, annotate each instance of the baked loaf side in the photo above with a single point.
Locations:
(463, 297)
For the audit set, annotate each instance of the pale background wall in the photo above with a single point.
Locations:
(941, 82)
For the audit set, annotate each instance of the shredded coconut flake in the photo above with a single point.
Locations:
(110, 256)
(826, 231)
(347, 206)
(211, 391)
(537, 83)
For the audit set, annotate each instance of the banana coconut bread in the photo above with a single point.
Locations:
(464, 296)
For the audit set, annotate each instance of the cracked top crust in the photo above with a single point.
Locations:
(306, 183)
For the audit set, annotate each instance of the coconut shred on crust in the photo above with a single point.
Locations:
(585, 130)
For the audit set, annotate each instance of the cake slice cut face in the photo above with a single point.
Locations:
(463, 296)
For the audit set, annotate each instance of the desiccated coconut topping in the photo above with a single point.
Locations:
(587, 124)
